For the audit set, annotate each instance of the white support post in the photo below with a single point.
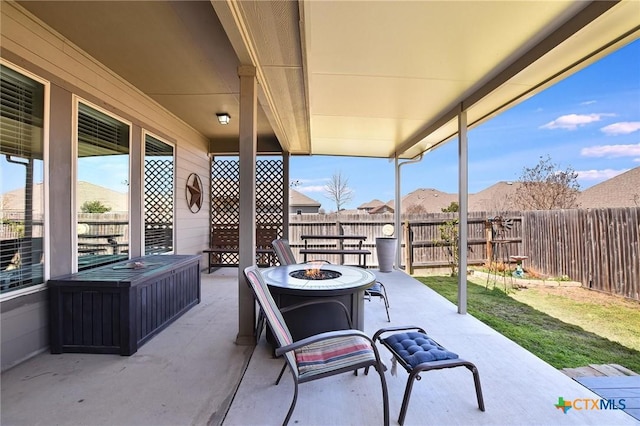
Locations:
(247, 232)
(286, 156)
(397, 213)
(463, 210)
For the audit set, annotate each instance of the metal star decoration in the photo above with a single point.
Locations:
(194, 193)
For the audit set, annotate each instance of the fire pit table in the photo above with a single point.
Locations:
(291, 284)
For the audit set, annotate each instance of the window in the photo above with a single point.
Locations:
(22, 102)
(102, 188)
(158, 196)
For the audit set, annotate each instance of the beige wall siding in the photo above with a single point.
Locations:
(27, 38)
(30, 44)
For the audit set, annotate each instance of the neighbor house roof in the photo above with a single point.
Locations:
(499, 197)
(370, 205)
(431, 200)
(382, 208)
(299, 199)
(619, 191)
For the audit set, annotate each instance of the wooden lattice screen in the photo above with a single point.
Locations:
(158, 206)
(225, 206)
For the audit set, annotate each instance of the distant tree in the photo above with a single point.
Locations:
(450, 241)
(453, 208)
(546, 187)
(94, 207)
(416, 209)
(503, 203)
(338, 191)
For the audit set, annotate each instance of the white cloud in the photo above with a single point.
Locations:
(599, 174)
(573, 121)
(622, 128)
(587, 102)
(310, 188)
(611, 151)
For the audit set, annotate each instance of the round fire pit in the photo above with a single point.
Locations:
(315, 274)
(289, 285)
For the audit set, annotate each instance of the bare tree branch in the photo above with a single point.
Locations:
(546, 187)
(338, 191)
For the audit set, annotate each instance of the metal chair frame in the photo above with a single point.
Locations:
(378, 290)
(288, 348)
(414, 372)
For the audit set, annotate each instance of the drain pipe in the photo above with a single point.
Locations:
(398, 205)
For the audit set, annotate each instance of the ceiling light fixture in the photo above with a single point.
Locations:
(223, 118)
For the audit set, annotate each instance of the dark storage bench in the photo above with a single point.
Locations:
(115, 309)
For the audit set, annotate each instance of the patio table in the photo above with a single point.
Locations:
(348, 289)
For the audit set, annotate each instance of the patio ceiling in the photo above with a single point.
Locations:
(355, 78)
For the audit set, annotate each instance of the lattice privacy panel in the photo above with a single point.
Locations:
(158, 206)
(225, 205)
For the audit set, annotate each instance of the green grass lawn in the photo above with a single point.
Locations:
(559, 343)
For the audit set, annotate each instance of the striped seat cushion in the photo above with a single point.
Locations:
(332, 354)
(284, 253)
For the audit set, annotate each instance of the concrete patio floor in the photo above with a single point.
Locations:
(189, 373)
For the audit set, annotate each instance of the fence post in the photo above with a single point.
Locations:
(407, 248)
(488, 232)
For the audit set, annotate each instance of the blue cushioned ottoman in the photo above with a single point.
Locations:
(412, 348)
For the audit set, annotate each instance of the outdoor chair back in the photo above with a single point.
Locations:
(283, 252)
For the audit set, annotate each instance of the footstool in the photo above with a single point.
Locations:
(414, 350)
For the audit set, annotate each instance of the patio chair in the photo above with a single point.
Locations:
(417, 352)
(378, 290)
(322, 355)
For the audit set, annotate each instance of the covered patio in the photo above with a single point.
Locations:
(194, 373)
(296, 78)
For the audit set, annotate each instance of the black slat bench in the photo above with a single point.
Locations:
(362, 254)
(340, 250)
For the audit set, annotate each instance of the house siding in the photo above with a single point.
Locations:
(30, 44)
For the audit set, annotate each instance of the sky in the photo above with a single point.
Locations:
(589, 122)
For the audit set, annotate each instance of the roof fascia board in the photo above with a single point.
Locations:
(574, 24)
(236, 27)
(231, 146)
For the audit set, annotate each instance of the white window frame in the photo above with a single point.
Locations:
(77, 100)
(45, 183)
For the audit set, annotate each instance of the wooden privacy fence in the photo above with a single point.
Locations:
(597, 247)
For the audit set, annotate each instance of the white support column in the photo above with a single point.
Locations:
(463, 204)
(247, 233)
(397, 213)
(285, 194)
